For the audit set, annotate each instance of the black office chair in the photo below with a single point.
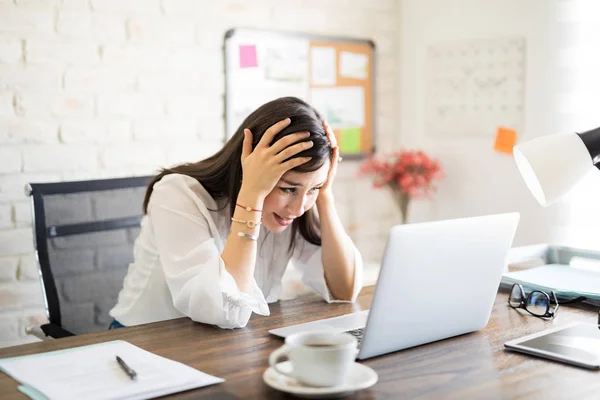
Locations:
(83, 236)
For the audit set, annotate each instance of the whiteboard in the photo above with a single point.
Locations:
(475, 86)
(333, 74)
(276, 68)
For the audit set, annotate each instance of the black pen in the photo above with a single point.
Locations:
(132, 374)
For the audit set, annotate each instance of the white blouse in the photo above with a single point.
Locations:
(178, 270)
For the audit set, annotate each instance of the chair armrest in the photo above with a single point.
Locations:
(55, 331)
(37, 332)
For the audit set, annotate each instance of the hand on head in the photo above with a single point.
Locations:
(335, 159)
(263, 167)
(330, 135)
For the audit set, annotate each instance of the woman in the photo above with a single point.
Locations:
(218, 234)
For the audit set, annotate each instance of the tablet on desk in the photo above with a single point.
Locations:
(577, 344)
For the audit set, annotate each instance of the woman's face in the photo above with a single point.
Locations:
(294, 194)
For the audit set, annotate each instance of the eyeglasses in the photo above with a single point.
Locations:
(537, 303)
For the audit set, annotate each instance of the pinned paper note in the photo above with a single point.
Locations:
(342, 106)
(248, 57)
(353, 65)
(505, 140)
(350, 140)
(323, 66)
(285, 60)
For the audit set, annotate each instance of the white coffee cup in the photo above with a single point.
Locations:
(317, 358)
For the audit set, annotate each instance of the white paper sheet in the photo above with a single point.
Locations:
(342, 107)
(286, 60)
(92, 372)
(323, 66)
(353, 65)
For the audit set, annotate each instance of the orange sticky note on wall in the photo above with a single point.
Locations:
(505, 140)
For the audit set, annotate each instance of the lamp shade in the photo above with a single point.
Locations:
(552, 165)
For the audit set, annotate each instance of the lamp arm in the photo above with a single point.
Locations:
(591, 140)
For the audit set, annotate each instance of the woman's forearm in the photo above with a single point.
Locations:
(337, 251)
(239, 253)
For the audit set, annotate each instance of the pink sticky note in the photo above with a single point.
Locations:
(248, 56)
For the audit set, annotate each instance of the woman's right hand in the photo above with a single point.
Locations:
(263, 167)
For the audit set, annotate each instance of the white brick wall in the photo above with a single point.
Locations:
(18, 78)
(31, 130)
(6, 104)
(106, 88)
(10, 49)
(22, 214)
(15, 241)
(52, 104)
(5, 217)
(57, 157)
(8, 269)
(11, 160)
(18, 21)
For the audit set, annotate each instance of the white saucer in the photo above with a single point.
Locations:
(359, 377)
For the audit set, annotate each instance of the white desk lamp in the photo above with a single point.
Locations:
(552, 165)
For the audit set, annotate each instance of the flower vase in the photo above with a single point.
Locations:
(403, 202)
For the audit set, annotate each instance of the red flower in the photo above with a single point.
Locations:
(407, 172)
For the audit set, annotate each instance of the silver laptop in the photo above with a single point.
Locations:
(437, 280)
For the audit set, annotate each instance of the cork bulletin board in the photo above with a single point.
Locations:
(333, 74)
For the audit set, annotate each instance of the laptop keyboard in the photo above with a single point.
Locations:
(358, 334)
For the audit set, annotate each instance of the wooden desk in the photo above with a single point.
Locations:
(472, 366)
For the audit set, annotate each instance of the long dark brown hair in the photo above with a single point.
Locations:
(221, 174)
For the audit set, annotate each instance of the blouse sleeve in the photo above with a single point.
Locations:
(195, 273)
(307, 259)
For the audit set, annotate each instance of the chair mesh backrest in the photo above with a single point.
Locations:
(88, 268)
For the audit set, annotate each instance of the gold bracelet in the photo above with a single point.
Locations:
(250, 224)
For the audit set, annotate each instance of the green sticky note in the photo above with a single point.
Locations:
(350, 140)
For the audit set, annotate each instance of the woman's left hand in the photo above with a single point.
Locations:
(326, 190)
